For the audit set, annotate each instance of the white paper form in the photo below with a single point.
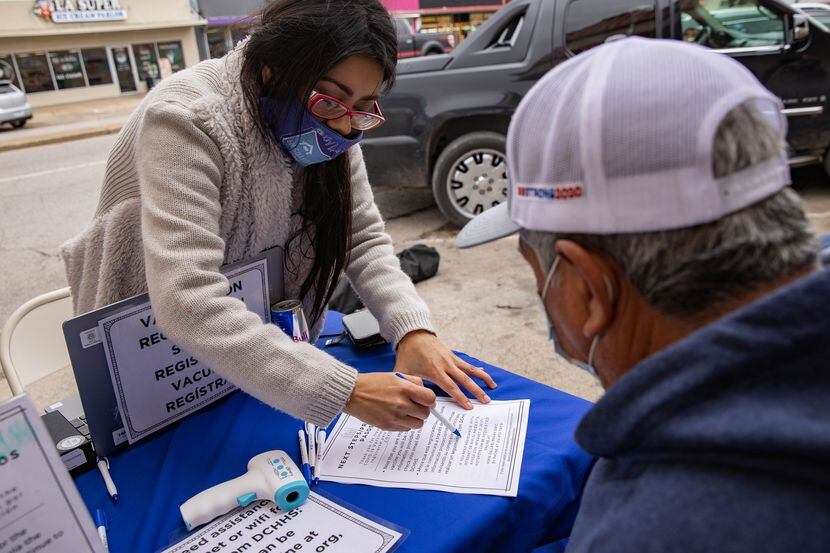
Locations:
(40, 509)
(486, 460)
(320, 524)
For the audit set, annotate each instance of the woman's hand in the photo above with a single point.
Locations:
(389, 402)
(422, 354)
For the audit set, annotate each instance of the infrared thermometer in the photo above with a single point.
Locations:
(271, 475)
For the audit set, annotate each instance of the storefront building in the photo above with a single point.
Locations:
(228, 21)
(460, 17)
(63, 51)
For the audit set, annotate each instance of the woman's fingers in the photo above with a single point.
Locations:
(419, 412)
(446, 383)
(461, 377)
(405, 424)
(477, 372)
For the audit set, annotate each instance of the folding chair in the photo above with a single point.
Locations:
(32, 344)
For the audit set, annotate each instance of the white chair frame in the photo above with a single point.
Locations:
(38, 322)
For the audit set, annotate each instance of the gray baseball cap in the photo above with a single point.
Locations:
(620, 139)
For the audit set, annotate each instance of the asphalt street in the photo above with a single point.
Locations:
(49, 194)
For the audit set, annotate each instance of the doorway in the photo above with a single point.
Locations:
(124, 69)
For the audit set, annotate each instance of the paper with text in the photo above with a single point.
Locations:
(487, 459)
(40, 509)
(319, 525)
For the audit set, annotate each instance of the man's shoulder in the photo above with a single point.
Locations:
(691, 505)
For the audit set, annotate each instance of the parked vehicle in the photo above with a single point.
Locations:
(412, 44)
(448, 114)
(820, 12)
(14, 108)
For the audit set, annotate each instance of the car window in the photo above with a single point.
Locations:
(821, 15)
(402, 27)
(589, 23)
(723, 24)
(507, 38)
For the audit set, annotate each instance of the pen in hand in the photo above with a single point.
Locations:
(441, 418)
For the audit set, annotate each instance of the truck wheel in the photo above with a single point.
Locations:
(19, 123)
(470, 176)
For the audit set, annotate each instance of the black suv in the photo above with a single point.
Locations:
(448, 114)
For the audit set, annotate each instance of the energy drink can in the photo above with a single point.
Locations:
(290, 317)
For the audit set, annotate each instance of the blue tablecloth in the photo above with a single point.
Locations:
(158, 474)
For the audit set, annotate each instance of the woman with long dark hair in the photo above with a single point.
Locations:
(215, 166)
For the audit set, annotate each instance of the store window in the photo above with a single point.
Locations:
(172, 52)
(734, 24)
(34, 72)
(68, 70)
(7, 72)
(97, 66)
(146, 60)
(589, 23)
(217, 42)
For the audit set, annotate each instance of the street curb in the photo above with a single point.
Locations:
(59, 137)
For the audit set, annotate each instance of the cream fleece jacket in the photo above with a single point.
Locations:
(191, 185)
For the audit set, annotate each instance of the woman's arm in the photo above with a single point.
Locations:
(375, 272)
(180, 172)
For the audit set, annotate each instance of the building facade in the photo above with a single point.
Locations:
(228, 21)
(460, 17)
(63, 51)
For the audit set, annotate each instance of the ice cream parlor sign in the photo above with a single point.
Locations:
(79, 11)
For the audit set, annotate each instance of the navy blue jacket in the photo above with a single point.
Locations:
(721, 442)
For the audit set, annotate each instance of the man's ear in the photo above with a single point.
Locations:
(598, 285)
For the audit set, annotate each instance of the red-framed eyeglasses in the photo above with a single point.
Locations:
(328, 108)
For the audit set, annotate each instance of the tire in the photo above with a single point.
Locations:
(470, 176)
(19, 123)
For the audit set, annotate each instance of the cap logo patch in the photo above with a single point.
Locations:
(556, 193)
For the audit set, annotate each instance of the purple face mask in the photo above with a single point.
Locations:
(308, 142)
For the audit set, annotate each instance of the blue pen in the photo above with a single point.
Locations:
(311, 432)
(304, 456)
(438, 415)
(101, 523)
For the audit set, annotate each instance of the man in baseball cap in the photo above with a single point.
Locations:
(650, 188)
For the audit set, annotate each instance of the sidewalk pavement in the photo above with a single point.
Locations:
(53, 124)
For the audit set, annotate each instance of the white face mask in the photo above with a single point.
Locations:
(557, 344)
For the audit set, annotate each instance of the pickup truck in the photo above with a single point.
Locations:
(421, 44)
(448, 114)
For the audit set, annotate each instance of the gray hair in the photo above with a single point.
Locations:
(690, 273)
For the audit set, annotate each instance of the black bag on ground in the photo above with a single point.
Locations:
(419, 262)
